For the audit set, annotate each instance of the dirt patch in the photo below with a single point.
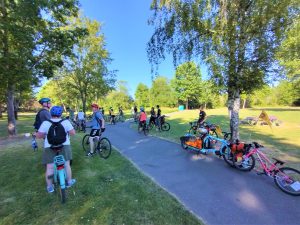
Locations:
(13, 140)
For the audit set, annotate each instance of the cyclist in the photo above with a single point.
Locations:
(98, 126)
(81, 119)
(202, 116)
(135, 111)
(121, 113)
(152, 116)
(71, 113)
(142, 118)
(158, 117)
(112, 116)
(49, 154)
(43, 114)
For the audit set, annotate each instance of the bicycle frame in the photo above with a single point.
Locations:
(266, 164)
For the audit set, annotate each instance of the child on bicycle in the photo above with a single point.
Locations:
(98, 126)
(142, 117)
(49, 154)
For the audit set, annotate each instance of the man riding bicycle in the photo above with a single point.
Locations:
(142, 118)
(98, 126)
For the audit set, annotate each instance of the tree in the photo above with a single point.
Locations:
(236, 39)
(86, 72)
(188, 82)
(33, 41)
(142, 95)
(161, 93)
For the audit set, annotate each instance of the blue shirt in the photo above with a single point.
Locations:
(94, 123)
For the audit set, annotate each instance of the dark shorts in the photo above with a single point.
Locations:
(95, 132)
(49, 154)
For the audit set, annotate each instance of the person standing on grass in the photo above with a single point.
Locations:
(158, 115)
(98, 126)
(49, 154)
(202, 116)
(152, 116)
(43, 114)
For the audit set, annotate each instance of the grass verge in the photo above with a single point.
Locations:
(108, 191)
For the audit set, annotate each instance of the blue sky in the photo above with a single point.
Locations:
(124, 24)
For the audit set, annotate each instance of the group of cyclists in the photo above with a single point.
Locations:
(155, 116)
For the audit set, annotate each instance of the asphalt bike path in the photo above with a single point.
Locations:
(212, 190)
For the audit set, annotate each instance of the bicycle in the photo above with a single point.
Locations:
(164, 126)
(102, 147)
(206, 143)
(211, 128)
(59, 176)
(144, 128)
(286, 178)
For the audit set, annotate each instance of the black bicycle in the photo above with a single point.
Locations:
(102, 145)
(164, 126)
(143, 128)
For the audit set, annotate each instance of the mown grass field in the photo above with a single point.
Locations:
(108, 191)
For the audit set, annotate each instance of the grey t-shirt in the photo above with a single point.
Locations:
(44, 115)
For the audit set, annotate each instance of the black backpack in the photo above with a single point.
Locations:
(38, 122)
(56, 134)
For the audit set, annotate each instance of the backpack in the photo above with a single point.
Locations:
(56, 134)
(38, 122)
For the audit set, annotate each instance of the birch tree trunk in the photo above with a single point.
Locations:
(11, 127)
(233, 108)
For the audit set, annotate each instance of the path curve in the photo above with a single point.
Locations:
(213, 191)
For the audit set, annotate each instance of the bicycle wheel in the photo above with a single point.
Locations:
(288, 180)
(243, 164)
(86, 143)
(227, 155)
(146, 130)
(165, 126)
(62, 186)
(104, 148)
(193, 130)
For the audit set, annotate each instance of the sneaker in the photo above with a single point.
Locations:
(90, 154)
(50, 189)
(71, 183)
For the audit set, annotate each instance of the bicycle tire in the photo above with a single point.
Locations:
(183, 144)
(284, 184)
(86, 143)
(193, 130)
(244, 164)
(104, 148)
(227, 155)
(165, 126)
(146, 130)
(62, 185)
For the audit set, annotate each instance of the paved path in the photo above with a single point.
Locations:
(208, 187)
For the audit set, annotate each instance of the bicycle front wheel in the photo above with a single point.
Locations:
(243, 164)
(86, 143)
(227, 155)
(104, 148)
(288, 180)
(165, 126)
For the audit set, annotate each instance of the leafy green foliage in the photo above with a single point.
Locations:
(142, 95)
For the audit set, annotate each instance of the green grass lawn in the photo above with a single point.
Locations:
(108, 191)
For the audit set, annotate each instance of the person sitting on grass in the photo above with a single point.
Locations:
(49, 154)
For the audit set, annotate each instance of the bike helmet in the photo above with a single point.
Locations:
(56, 111)
(95, 105)
(44, 100)
(142, 109)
